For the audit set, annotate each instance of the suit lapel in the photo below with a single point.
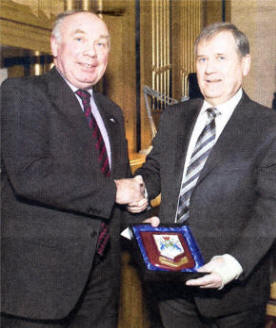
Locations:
(184, 130)
(65, 102)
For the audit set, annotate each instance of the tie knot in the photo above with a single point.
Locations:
(212, 112)
(84, 95)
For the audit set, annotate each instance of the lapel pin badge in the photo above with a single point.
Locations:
(112, 120)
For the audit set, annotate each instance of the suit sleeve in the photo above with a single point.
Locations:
(258, 236)
(150, 171)
(35, 170)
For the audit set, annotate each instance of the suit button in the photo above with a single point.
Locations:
(93, 234)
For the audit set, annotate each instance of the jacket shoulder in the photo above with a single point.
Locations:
(258, 112)
(29, 83)
(182, 109)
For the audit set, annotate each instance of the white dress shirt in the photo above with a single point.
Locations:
(226, 110)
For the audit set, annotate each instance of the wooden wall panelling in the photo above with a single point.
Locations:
(155, 57)
(120, 77)
(257, 21)
(187, 23)
(146, 64)
(212, 12)
(216, 11)
(27, 24)
(23, 36)
(133, 312)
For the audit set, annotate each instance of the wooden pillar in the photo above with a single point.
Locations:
(257, 21)
(186, 25)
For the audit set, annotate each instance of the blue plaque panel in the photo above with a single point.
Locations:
(167, 252)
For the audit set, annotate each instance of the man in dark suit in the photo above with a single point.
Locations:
(214, 162)
(59, 186)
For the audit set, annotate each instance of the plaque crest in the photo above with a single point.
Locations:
(169, 246)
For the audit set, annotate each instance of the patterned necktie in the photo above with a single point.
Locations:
(96, 133)
(203, 147)
(103, 160)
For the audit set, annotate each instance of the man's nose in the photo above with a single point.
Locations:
(90, 50)
(210, 66)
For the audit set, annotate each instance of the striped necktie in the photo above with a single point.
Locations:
(103, 160)
(96, 133)
(203, 147)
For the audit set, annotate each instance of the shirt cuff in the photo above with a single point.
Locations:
(231, 269)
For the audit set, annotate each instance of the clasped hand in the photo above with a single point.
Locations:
(131, 192)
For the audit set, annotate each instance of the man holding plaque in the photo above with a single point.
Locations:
(214, 162)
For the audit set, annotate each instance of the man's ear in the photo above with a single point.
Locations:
(54, 46)
(246, 63)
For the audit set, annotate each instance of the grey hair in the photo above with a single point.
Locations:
(56, 30)
(240, 38)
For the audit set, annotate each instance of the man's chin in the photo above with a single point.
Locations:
(85, 84)
(213, 99)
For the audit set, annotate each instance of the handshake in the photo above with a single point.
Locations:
(132, 192)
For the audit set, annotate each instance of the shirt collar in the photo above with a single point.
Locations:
(228, 106)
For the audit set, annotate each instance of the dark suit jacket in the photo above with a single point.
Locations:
(54, 195)
(233, 206)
